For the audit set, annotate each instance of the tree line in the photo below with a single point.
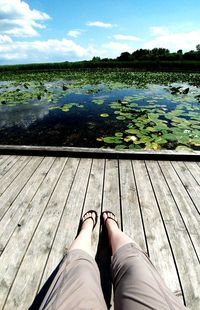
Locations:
(156, 59)
(156, 54)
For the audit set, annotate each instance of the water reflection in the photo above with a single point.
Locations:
(95, 116)
(22, 116)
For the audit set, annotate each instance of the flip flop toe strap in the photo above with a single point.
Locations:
(94, 219)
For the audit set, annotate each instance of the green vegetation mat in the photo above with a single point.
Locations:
(136, 110)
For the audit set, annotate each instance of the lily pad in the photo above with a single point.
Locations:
(112, 140)
(132, 131)
(119, 134)
(120, 147)
(152, 146)
(160, 140)
(195, 141)
(150, 129)
(183, 148)
(170, 137)
(104, 115)
(134, 147)
(98, 101)
(120, 118)
(143, 140)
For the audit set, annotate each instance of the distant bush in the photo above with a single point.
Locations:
(157, 59)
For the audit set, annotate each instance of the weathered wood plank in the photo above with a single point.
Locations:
(7, 164)
(183, 251)
(194, 169)
(94, 193)
(158, 246)
(190, 184)
(15, 212)
(131, 216)
(10, 259)
(10, 176)
(13, 190)
(99, 153)
(111, 200)
(27, 281)
(3, 158)
(48, 208)
(188, 211)
(70, 218)
(111, 195)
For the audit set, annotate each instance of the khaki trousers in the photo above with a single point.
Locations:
(137, 284)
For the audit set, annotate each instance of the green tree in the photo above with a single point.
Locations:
(96, 58)
(198, 48)
(140, 54)
(124, 56)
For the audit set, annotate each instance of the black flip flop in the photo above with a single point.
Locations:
(94, 220)
(109, 217)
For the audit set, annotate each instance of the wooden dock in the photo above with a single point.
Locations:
(42, 199)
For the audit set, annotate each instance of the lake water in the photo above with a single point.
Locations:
(60, 113)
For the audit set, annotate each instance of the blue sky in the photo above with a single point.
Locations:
(54, 30)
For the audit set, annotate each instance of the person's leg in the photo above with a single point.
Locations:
(83, 240)
(116, 237)
(137, 284)
(77, 282)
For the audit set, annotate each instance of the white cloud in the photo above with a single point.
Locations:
(49, 50)
(124, 37)
(156, 30)
(74, 33)
(174, 40)
(18, 19)
(5, 39)
(58, 50)
(23, 118)
(117, 48)
(101, 24)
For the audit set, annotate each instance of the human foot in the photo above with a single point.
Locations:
(89, 220)
(110, 220)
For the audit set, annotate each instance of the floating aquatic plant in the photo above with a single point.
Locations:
(66, 107)
(98, 101)
(151, 117)
(104, 115)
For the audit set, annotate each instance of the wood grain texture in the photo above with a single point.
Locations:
(111, 195)
(93, 199)
(158, 245)
(12, 174)
(13, 190)
(42, 200)
(7, 164)
(12, 218)
(194, 169)
(10, 260)
(184, 203)
(189, 182)
(3, 158)
(26, 284)
(131, 215)
(99, 153)
(184, 256)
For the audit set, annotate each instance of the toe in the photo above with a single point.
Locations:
(110, 219)
(89, 217)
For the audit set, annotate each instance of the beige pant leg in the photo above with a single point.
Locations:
(137, 284)
(76, 285)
